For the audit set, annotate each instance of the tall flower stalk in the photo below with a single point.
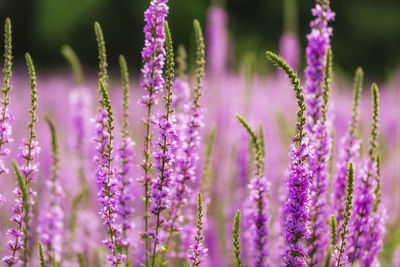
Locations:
(197, 252)
(164, 157)
(318, 44)
(5, 116)
(107, 174)
(363, 244)
(297, 206)
(153, 56)
(29, 156)
(107, 177)
(236, 240)
(187, 163)
(349, 152)
(318, 128)
(51, 225)
(257, 200)
(339, 256)
(318, 241)
(126, 154)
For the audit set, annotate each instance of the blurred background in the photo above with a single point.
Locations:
(366, 32)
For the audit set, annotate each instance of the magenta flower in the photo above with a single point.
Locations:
(318, 131)
(51, 225)
(153, 56)
(318, 43)
(108, 183)
(29, 151)
(5, 116)
(363, 208)
(349, 152)
(259, 219)
(297, 207)
(153, 53)
(164, 158)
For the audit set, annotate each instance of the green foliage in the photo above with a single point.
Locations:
(107, 103)
(72, 58)
(207, 164)
(301, 120)
(236, 239)
(257, 144)
(378, 193)
(199, 236)
(181, 60)
(327, 83)
(290, 15)
(34, 98)
(41, 255)
(375, 122)
(7, 62)
(55, 147)
(333, 241)
(262, 140)
(125, 82)
(170, 67)
(200, 61)
(102, 55)
(347, 214)
(81, 260)
(358, 84)
(26, 207)
(333, 230)
(24, 190)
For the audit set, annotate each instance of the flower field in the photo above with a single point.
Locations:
(196, 164)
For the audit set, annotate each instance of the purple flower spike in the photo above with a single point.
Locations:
(259, 220)
(318, 43)
(361, 220)
(349, 152)
(318, 131)
(153, 56)
(51, 225)
(29, 161)
(297, 207)
(5, 116)
(164, 158)
(153, 53)
(108, 180)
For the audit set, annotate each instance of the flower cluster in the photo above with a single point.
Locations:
(318, 43)
(51, 225)
(258, 219)
(80, 103)
(349, 152)
(164, 160)
(5, 139)
(297, 207)
(107, 177)
(359, 244)
(318, 130)
(318, 242)
(153, 53)
(126, 154)
(29, 152)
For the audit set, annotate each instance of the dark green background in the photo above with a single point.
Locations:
(366, 32)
